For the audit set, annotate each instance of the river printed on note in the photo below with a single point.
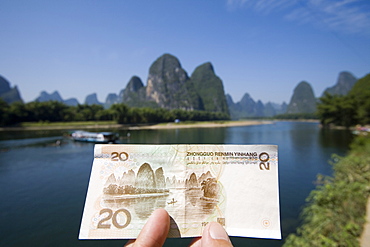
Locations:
(189, 200)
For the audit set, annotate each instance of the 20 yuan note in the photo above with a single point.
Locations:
(235, 185)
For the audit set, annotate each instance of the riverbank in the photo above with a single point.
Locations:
(110, 126)
(336, 212)
(215, 124)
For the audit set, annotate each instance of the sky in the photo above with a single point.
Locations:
(260, 47)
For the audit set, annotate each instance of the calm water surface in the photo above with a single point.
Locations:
(43, 185)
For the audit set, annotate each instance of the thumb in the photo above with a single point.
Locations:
(215, 235)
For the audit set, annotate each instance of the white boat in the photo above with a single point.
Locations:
(96, 137)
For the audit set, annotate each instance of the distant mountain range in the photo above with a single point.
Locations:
(344, 84)
(55, 96)
(247, 108)
(169, 86)
(303, 99)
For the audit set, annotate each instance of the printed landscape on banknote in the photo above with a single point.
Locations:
(235, 185)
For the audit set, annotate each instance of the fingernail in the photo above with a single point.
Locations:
(216, 231)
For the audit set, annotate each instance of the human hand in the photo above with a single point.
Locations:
(155, 231)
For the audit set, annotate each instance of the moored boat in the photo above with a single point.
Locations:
(361, 130)
(96, 137)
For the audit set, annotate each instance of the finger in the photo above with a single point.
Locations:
(154, 232)
(215, 235)
(196, 242)
(129, 243)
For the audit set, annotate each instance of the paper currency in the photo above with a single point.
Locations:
(235, 185)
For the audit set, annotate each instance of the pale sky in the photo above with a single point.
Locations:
(261, 47)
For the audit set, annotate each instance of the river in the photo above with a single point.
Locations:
(43, 185)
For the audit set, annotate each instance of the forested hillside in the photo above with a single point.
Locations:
(347, 110)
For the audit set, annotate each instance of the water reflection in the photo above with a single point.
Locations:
(177, 136)
(183, 205)
(335, 138)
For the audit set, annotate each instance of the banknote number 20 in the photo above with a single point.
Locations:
(102, 223)
(264, 157)
(123, 156)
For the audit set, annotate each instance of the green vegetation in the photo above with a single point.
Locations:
(335, 213)
(296, 116)
(73, 123)
(210, 88)
(347, 110)
(53, 111)
(337, 110)
(303, 99)
(171, 85)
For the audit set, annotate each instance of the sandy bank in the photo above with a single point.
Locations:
(201, 125)
(138, 127)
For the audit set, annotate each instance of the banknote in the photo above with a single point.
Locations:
(235, 185)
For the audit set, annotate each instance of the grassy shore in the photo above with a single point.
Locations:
(114, 125)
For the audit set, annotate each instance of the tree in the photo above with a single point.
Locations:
(104, 114)
(4, 113)
(120, 113)
(363, 108)
(337, 110)
(19, 112)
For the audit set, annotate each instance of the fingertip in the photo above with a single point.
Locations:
(216, 231)
(161, 213)
(215, 235)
